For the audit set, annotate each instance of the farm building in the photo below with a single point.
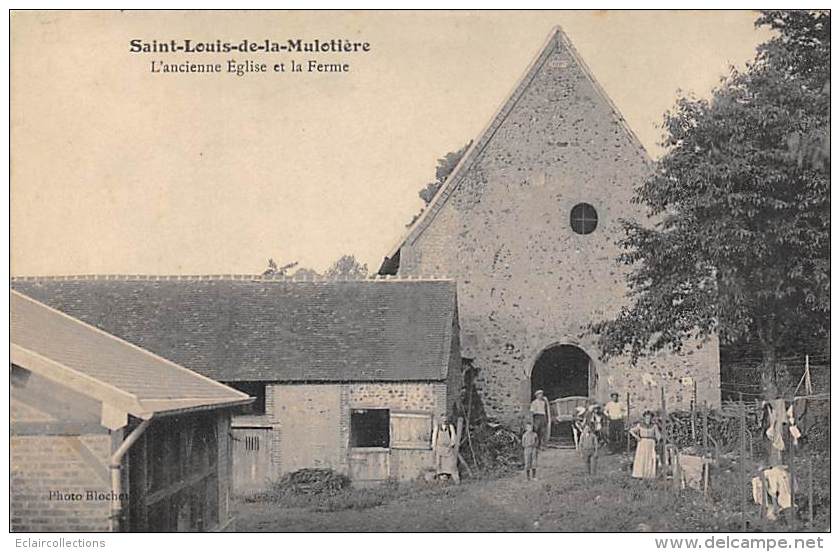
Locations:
(106, 436)
(347, 375)
(527, 225)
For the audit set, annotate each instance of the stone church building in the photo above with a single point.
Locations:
(526, 224)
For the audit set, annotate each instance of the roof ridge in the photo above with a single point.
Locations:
(225, 278)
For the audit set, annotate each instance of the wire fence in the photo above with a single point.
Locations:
(775, 472)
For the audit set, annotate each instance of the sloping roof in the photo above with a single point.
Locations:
(256, 329)
(556, 39)
(86, 359)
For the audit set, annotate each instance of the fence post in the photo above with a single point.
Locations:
(810, 492)
(693, 413)
(742, 479)
(627, 425)
(792, 472)
(705, 427)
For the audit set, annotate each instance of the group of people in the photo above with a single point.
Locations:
(594, 427)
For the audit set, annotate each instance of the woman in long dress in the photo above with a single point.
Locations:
(646, 434)
(445, 440)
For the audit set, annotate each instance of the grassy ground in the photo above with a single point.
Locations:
(564, 498)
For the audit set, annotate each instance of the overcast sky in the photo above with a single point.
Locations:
(119, 170)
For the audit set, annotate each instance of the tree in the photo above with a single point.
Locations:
(274, 270)
(445, 166)
(306, 274)
(741, 243)
(347, 267)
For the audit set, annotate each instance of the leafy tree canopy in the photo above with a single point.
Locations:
(741, 199)
(274, 270)
(445, 166)
(347, 267)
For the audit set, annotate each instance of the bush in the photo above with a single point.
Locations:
(315, 481)
(323, 490)
(497, 449)
(295, 488)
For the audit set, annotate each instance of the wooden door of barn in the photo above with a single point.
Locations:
(251, 459)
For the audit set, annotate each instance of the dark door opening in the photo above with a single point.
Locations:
(562, 371)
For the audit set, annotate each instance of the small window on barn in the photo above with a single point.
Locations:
(583, 218)
(370, 428)
(254, 389)
(411, 430)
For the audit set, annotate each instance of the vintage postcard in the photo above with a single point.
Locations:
(421, 271)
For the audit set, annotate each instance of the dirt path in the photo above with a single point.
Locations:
(563, 498)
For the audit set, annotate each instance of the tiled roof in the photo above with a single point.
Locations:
(61, 347)
(255, 329)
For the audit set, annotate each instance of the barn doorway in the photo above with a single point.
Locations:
(563, 371)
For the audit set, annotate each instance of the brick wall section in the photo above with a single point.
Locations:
(526, 281)
(44, 463)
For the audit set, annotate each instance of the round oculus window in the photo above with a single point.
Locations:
(583, 218)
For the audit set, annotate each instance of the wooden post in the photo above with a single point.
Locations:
(809, 390)
(705, 427)
(742, 471)
(693, 413)
(627, 424)
(693, 425)
(792, 472)
(664, 430)
(459, 431)
(810, 492)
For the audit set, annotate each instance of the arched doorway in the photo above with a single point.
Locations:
(562, 371)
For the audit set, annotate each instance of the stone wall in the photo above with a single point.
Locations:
(526, 280)
(417, 397)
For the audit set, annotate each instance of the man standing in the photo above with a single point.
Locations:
(616, 414)
(541, 418)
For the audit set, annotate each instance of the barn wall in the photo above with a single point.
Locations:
(311, 422)
(225, 463)
(59, 454)
(72, 466)
(431, 398)
(526, 280)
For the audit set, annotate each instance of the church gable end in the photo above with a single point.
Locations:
(527, 224)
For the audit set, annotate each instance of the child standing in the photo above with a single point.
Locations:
(589, 447)
(529, 447)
